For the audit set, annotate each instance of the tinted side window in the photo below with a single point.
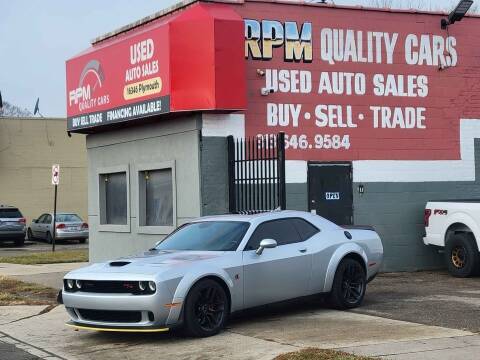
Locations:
(47, 219)
(280, 230)
(304, 228)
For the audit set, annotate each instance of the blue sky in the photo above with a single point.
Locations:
(36, 37)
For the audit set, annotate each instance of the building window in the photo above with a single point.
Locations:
(156, 205)
(157, 189)
(113, 207)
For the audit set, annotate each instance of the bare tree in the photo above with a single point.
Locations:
(10, 110)
(428, 5)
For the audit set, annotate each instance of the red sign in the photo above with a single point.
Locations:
(125, 80)
(179, 62)
(351, 84)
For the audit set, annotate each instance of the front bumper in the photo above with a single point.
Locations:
(150, 311)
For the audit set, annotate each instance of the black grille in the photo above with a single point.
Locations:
(111, 316)
(120, 287)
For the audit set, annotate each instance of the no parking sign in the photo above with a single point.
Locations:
(55, 174)
(55, 181)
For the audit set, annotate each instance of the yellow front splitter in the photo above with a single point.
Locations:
(131, 330)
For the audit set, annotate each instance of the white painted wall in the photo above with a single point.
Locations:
(372, 170)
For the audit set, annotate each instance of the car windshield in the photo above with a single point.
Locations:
(67, 218)
(10, 213)
(206, 236)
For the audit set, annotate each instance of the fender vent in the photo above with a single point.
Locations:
(119, 263)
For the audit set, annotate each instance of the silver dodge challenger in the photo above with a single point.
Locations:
(214, 266)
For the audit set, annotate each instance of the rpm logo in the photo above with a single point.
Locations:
(91, 78)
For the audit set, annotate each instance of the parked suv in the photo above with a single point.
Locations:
(12, 225)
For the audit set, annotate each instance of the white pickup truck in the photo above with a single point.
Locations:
(455, 226)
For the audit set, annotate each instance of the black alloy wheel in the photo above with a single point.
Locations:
(49, 238)
(352, 283)
(206, 309)
(30, 234)
(349, 285)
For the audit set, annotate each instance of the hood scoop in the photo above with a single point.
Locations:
(119, 263)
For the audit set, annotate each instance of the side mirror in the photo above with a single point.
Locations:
(34, 221)
(265, 244)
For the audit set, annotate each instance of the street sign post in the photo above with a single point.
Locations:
(55, 182)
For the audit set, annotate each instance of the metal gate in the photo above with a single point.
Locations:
(256, 173)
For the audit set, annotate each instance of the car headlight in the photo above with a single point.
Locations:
(78, 284)
(152, 286)
(142, 285)
(70, 284)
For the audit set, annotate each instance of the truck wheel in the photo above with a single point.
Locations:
(349, 285)
(461, 255)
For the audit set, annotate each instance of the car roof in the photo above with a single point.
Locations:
(264, 216)
(256, 219)
(8, 207)
(59, 213)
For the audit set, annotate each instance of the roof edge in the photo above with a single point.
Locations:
(184, 3)
(35, 118)
(171, 9)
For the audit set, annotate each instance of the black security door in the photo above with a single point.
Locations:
(330, 191)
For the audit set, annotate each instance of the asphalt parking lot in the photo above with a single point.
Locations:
(9, 249)
(431, 298)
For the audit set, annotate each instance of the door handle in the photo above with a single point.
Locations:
(303, 250)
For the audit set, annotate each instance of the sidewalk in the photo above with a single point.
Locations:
(45, 274)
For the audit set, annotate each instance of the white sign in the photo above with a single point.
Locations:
(55, 174)
(332, 196)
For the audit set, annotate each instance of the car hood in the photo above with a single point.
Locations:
(150, 262)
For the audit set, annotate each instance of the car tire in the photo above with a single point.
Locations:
(49, 238)
(461, 255)
(349, 285)
(20, 242)
(30, 235)
(206, 309)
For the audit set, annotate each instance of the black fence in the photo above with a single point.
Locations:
(256, 173)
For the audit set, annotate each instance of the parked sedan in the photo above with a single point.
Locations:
(68, 226)
(12, 225)
(213, 266)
